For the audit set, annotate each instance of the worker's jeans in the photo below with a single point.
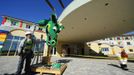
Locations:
(24, 57)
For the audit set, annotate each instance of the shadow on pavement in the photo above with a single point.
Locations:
(64, 61)
(21, 74)
(129, 70)
(6, 74)
(115, 65)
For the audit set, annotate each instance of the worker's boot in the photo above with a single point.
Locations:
(121, 66)
(125, 67)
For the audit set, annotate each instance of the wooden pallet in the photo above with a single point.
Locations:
(40, 69)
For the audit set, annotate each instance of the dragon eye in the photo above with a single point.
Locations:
(54, 28)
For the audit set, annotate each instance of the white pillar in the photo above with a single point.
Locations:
(10, 46)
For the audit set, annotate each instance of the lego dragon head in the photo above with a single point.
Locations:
(52, 28)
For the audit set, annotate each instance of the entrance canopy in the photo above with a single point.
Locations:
(86, 20)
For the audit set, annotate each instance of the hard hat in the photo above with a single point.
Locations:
(28, 32)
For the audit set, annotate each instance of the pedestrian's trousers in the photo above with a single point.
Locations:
(27, 58)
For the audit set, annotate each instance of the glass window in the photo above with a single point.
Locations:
(12, 43)
(9, 36)
(104, 49)
(14, 23)
(28, 26)
(40, 29)
(21, 38)
(126, 38)
(128, 43)
(16, 37)
(39, 45)
(6, 45)
(110, 38)
(118, 38)
(131, 50)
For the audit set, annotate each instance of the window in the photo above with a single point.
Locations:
(128, 43)
(118, 38)
(9, 36)
(6, 45)
(110, 38)
(40, 29)
(28, 26)
(39, 45)
(14, 23)
(131, 50)
(126, 38)
(12, 43)
(104, 49)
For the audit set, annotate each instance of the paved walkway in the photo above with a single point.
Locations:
(76, 66)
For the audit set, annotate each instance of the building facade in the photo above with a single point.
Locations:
(112, 46)
(12, 31)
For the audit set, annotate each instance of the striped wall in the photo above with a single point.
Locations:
(3, 35)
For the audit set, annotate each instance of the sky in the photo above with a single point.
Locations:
(30, 10)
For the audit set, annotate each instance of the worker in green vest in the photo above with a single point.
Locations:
(25, 52)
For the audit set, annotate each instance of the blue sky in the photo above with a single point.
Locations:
(31, 10)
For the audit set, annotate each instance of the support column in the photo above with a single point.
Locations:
(86, 49)
(59, 49)
(45, 50)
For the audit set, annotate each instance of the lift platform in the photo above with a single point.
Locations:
(47, 69)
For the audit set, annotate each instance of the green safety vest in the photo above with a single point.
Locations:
(28, 44)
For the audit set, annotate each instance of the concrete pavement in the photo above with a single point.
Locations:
(76, 66)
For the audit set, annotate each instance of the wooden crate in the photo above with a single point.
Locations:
(40, 69)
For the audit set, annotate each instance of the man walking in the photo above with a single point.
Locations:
(25, 52)
(123, 56)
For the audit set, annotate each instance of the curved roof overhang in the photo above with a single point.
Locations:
(87, 20)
